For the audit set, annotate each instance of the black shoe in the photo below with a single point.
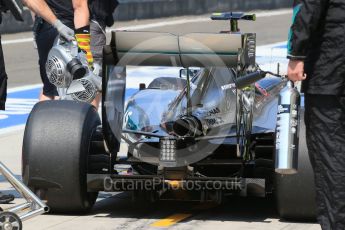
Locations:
(5, 199)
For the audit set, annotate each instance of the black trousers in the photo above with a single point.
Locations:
(45, 35)
(3, 80)
(325, 127)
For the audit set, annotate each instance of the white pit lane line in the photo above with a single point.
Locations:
(259, 14)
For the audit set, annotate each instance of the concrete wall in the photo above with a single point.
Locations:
(144, 9)
(139, 9)
(10, 25)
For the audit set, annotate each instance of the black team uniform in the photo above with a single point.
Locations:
(3, 75)
(317, 36)
(4, 199)
(101, 13)
(45, 35)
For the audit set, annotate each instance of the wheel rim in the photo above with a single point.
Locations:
(10, 221)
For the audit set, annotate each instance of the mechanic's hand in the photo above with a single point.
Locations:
(64, 30)
(296, 71)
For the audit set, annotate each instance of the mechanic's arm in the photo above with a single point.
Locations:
(41, 8)
(305, 21)
(81, 13)
(82, 27)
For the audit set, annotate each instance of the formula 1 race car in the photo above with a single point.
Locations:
(221, 127)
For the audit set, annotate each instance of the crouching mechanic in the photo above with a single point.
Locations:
(70, 19)
(316, 51)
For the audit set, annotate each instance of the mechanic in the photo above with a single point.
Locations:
(70, 19)
(101, 17)
(4, 199)
(101, 14)
(316, 50)
(3, 75)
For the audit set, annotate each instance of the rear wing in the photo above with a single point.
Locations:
(190, 50)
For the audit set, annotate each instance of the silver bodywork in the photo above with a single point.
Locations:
(213, 100)
(209, 112)
(213, 103)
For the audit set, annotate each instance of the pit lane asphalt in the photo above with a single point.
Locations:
(116, 211)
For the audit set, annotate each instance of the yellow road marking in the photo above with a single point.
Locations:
(171, 220)
(174, 219)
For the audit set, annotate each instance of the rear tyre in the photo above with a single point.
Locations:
(55, 153)
(295, 194)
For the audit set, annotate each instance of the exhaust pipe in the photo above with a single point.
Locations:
(187, 127)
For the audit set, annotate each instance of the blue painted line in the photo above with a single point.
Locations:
(31, 93)
(284, 46)
(18, 107)
(14, 120)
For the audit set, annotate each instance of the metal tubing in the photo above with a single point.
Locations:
(32, 214)
(20, 207)
(189, 102)
(33, 202)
